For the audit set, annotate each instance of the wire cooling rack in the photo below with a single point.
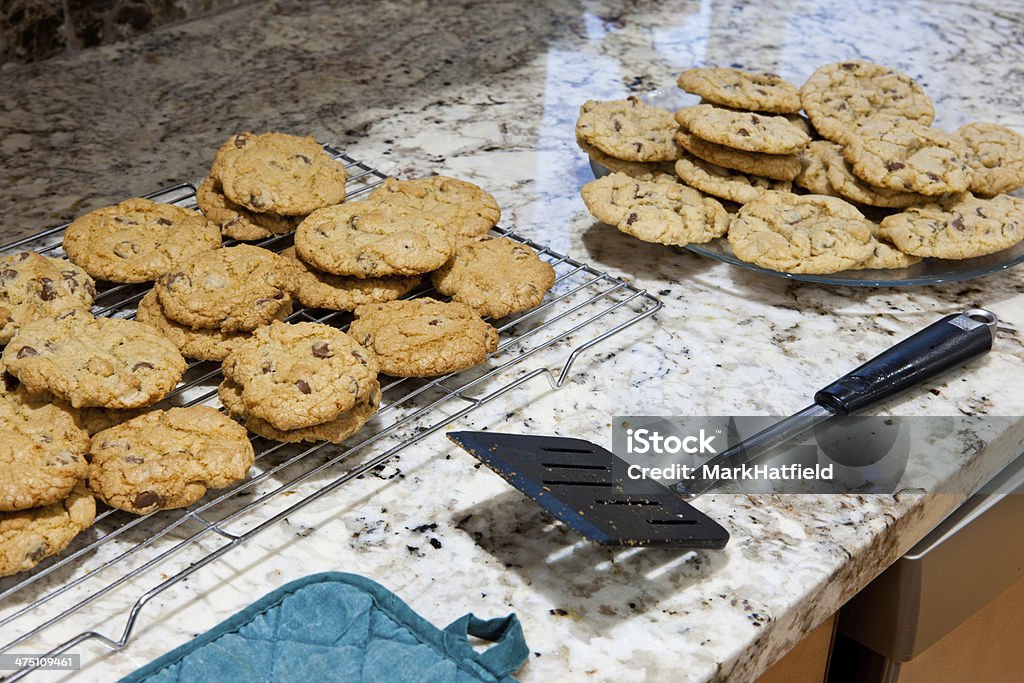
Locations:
(60, 605)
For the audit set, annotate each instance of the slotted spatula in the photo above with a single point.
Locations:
(573, 478)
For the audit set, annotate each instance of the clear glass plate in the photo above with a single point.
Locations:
(927, 272)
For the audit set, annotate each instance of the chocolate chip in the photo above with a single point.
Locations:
(631, 219)
(359, 357)
(27, 352)
(849, 66)
(133, 459)
(322, 350)
(241, 141)
(126, 249)
(435, 322)
(8, 274)
(24, 255)
(754, 119)
(302, 386)
(639, 146)
(895, 166)
(37, 554)
(175, 278)
(267, 368)
(958, 222)
(278, 295)
(744, 132)
(142, 366)
(933, 177)
(164, 221)
(616, 125)
(47, 292)
(147, 499)
(303, 158)
(980, 212)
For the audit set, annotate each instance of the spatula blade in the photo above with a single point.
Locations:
(572, 479)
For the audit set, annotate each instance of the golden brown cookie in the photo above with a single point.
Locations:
(138, 240)
(334, 431)
(364, 239)
(801, 233)
(996, 156)
(316, 289)
(957, 227)
(277, 173)
(462, 208)
(738, 89)
(202, 344)
(774, 166)
(235, 289)
(641, 170)
(628, 129)
(838, 96)
(661, 212)
(496, 276)
(423, 337)
(238, 222)
(42, 450)
(168, 459)
(34, 287)
(725, 182)
(743, 130)
(95, 362)
(300, 375)
(30, 536)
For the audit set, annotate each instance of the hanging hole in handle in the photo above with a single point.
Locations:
(980, 315)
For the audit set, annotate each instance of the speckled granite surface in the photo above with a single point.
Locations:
(489, 92)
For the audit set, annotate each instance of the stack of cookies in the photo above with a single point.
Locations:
(886, 188)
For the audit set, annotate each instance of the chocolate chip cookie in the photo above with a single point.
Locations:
(300, 375)
(496, 276)
(843, 183)
(996, 156)
(774, 166)
(30, 536)
(235, 289)
(814, 160)
(899, 154)
(316, 289)
(957, 227)
(168, 459)
(202, 344)
(628, 129)
(801, 233)
(42, 450)
(461, 207)
(641, 170)
(886, 257)
(277, 173)
(34, 287)
(737, 89)
(101, 362)
(362, 239)
(138, 240)
(743, 130)
(662, 212)
(725, 182)
(423, 337)
(334, 431)
(838, 96)
(238, 222)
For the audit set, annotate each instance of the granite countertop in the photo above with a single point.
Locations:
(489, 92)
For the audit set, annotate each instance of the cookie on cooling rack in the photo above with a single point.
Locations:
(138, 240)
(236, 221)
(462, 208)
(30, 536)
(168, 459)
(496, 276)
(34, 286)
(98, 362)
(235, 289)
(317, 289)
(366, 240)
(300, 375)
(277, 173)
(334, 431)
(42, 449)
(423, 337)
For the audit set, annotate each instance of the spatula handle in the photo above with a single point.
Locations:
(942, 346)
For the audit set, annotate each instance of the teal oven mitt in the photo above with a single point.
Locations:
(341, 627)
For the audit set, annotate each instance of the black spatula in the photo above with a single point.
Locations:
(573, 478)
